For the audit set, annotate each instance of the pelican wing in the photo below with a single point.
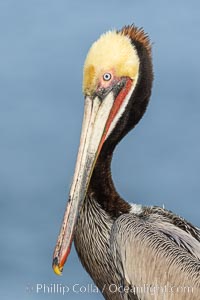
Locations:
(174, 219)
(150, 251)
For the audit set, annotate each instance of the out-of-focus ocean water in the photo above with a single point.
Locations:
(43, 45)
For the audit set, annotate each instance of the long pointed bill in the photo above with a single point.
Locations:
(99, 117)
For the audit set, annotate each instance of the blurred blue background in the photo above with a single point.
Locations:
(43, 45)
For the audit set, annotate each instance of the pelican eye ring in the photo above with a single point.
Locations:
(107, 76)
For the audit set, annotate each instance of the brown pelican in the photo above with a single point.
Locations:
(130, 251)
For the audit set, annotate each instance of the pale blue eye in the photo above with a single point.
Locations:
(107, 76)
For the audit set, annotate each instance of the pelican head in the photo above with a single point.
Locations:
(116, 86)
(110, 61)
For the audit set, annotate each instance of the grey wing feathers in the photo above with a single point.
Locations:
(152, 250)
(177, 230)
(175, 220)
(181, 238)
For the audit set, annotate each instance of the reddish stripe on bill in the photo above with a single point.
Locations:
(116, 106)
